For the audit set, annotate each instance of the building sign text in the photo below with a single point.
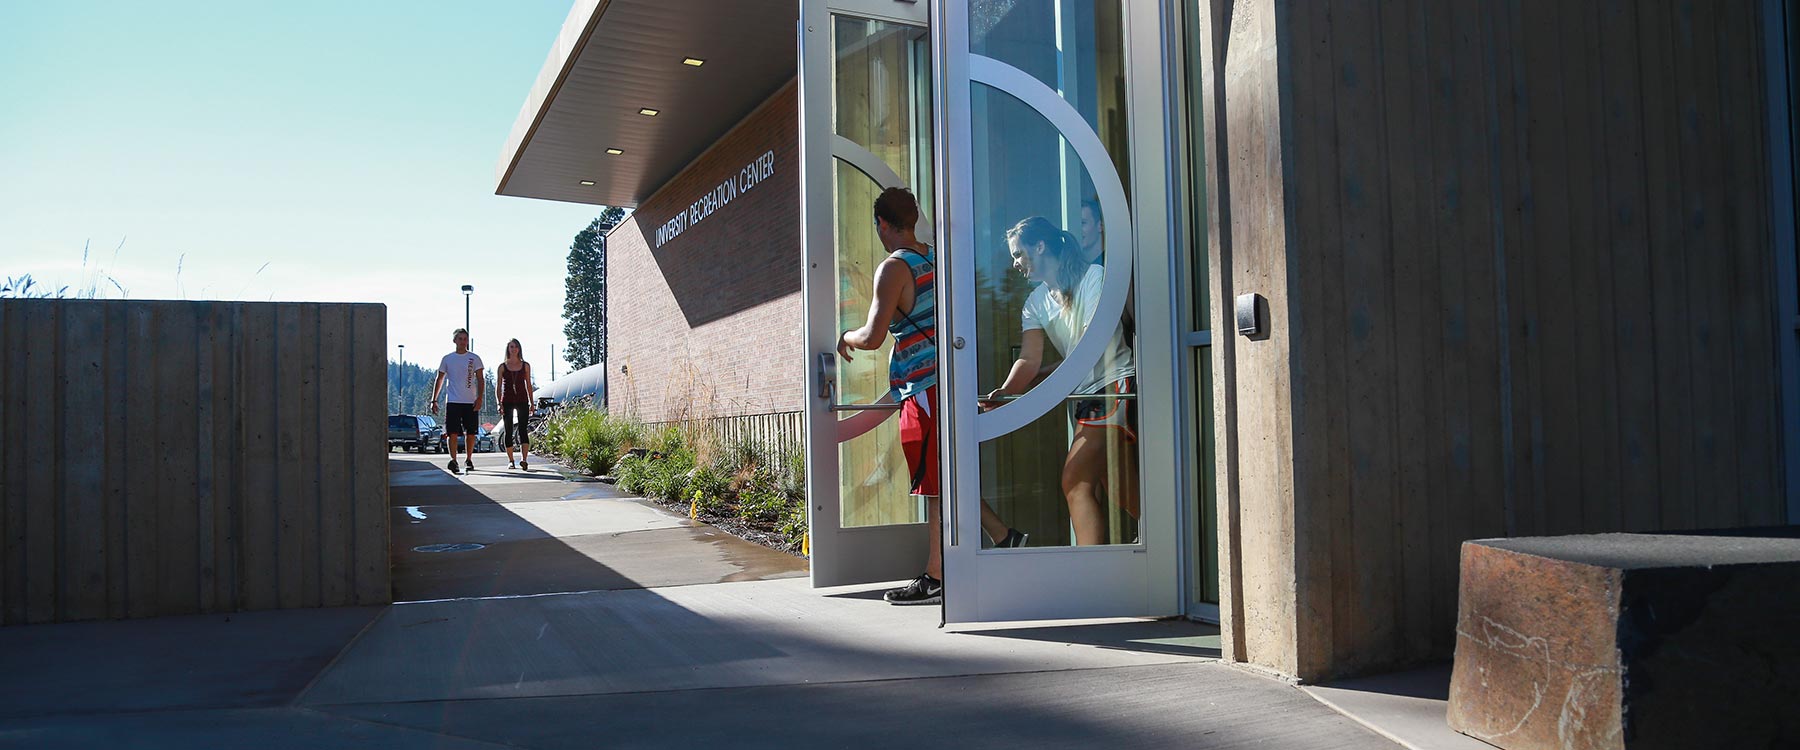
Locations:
(750, 176)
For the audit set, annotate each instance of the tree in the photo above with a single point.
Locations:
(584, 304)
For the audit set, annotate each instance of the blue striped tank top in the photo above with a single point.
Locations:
(913, 366)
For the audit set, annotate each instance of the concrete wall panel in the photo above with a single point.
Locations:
(1518, 261)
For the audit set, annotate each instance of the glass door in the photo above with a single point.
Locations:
(1059, 375)
(865, 114)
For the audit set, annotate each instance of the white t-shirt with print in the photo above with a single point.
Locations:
(461, 373)
(1064, 327)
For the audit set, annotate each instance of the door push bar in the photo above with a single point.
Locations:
(827, 383)
(1070, 397)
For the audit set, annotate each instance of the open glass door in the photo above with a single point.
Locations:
(1057, 305)
(865, 119)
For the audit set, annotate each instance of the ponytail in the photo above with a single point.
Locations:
(1071, 264)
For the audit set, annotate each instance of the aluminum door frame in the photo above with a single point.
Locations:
(1061, 582)
(839, 556)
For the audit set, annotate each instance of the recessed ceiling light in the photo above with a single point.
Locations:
(694, 61)
(587, 183)
(614, 151)
(648, 112)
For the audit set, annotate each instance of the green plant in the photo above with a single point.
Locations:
(793, 523)
(549, 439)
(761, 500)
(632, 473)
(668, 439)
(793, 475)
(590, 438)
(668, 476)
(740, 459)
(707, 484)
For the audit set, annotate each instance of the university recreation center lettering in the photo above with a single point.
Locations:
(750, 176)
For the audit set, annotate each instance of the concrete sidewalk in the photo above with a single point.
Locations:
(550, 531)
(766, 662)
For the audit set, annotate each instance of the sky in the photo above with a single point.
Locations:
(325, 151)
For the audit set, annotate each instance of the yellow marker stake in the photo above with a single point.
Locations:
(694, 509)
(806, 545)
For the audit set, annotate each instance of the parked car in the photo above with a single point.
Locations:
(437, 432)
(485, 442)
(411, 431)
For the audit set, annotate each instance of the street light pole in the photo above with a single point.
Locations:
(468, 291)
(402, 390)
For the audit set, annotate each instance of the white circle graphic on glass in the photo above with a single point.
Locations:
(1094, 341)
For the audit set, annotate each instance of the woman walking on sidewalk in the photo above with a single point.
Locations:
(515, 404)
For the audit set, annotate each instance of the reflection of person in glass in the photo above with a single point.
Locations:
(905, 305)
(1060, 309)
(1093, 232)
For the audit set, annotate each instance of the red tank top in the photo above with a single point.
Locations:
(513, 388)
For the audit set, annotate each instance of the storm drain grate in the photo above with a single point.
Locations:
(457, 547)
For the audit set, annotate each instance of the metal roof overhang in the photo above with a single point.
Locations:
(614, 57)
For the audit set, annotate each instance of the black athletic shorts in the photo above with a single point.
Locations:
(1115, 413)
(460, 419)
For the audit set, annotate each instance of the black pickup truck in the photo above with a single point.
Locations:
(415, 431)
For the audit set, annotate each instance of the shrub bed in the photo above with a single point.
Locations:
(744, 487)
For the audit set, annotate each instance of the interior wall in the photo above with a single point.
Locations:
(1525, 289)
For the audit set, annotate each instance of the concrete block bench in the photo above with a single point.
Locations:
(1629, 641)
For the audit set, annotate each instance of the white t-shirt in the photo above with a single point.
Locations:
(461, 374)
(1064, 328)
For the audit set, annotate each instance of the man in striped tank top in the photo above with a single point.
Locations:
(905, 305)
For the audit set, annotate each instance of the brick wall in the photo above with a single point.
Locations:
(708, 323)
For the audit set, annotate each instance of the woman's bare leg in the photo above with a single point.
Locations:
(1082, 479)
(990, 522)
(1127, 490)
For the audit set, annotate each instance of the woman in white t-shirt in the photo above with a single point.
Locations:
(1060, 309)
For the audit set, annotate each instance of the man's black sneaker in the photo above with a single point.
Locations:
(1014, 538)
(468, 466)
(452, 466)
(922, 590)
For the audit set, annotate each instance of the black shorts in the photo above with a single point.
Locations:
(1113, 413)
(459, 419)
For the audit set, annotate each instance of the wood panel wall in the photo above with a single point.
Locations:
(1524, 287)
(165, 458)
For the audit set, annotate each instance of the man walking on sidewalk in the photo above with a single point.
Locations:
(461, 372)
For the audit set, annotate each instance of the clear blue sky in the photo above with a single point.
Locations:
(350, 146)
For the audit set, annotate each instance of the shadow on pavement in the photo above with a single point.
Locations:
(547, 537)
(1179, 637)
(241, 660)
(1430, 683)
(869, 595)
